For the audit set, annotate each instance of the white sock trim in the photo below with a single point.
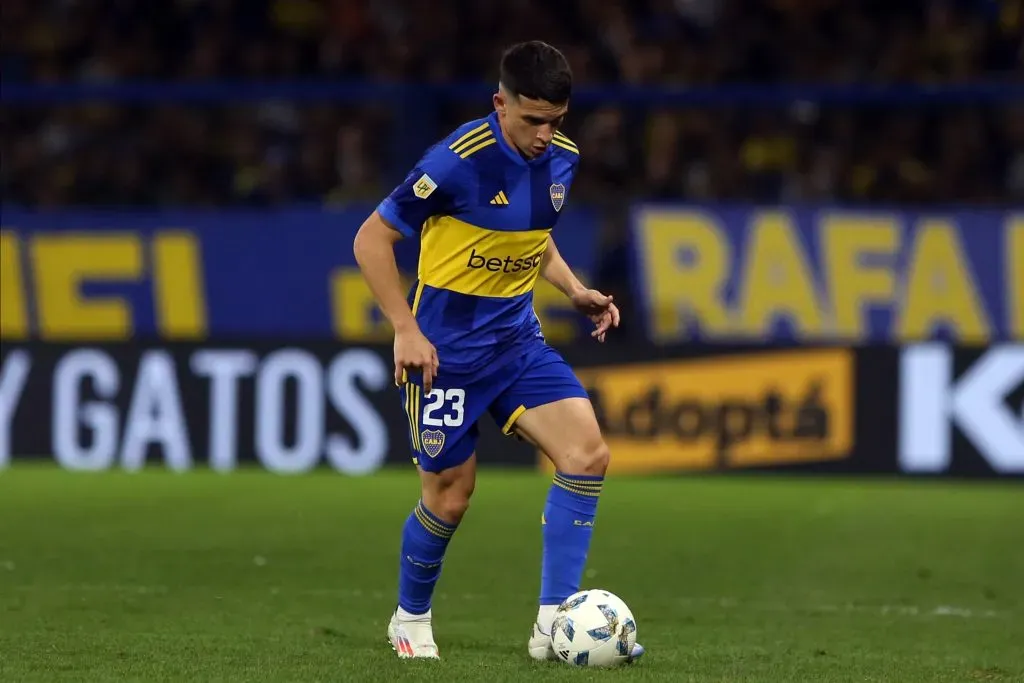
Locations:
(545, 617)
(408, 616)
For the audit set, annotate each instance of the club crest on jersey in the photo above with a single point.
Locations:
(557, 196)
(433, 441)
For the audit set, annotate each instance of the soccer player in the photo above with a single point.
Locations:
(483, 203)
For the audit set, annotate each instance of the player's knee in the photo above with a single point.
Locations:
(597, 458)
(448, 496)
(455, 506)
(591, 458)
(450, 504)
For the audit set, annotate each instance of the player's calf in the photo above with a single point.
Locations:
(568, 521)
(425, 538)
(427, 532)
(567, 431)
(567, 525)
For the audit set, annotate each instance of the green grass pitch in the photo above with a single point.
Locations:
(253, 577)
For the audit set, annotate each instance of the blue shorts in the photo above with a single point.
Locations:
(443, 427)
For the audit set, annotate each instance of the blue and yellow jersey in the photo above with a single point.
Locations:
(483, 214)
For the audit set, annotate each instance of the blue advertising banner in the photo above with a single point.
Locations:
(707, 273)
(193, 275)
(828, 274)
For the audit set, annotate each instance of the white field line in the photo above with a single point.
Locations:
(724, 603)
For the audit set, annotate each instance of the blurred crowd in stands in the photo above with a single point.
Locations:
(280, 152)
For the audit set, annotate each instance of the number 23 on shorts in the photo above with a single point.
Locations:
(430, 415)
(449, 403)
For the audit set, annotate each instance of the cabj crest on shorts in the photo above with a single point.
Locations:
(433, 441)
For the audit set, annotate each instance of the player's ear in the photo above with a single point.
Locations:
(499, 103)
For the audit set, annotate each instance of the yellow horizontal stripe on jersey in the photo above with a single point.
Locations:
(468, 134)
(559, 143)
(468, 259)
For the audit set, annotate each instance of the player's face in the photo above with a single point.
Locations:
(530, 123)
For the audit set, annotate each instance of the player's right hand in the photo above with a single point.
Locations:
(413, 351)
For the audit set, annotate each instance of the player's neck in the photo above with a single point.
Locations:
(508, 141)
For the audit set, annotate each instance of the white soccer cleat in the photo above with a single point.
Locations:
(412, 638)
(541, 649)
(540, 644)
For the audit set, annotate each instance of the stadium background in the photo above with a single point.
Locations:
(810, 211)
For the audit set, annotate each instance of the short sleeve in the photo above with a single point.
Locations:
(428, 190)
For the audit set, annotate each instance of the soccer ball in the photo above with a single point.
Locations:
(593, 628)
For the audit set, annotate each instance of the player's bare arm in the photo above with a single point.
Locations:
(590, 302)
(374, 250)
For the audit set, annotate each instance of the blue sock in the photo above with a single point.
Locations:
(424, 540)
(568, 524)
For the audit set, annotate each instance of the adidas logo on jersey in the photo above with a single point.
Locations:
(500, 199)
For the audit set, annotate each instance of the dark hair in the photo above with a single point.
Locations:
(537, 71)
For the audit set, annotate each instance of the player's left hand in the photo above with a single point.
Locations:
(599, 308)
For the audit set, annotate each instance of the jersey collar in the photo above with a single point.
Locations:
(509, 150)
